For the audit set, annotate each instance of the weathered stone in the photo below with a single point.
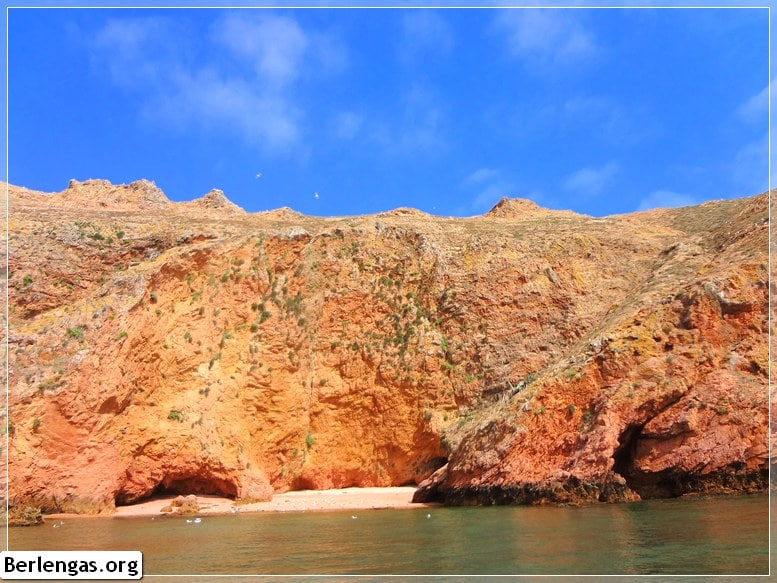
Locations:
(548, 357)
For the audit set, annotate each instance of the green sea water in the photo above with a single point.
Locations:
(712, 535)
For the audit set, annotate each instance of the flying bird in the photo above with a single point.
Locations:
(315, 196)
(259, 175)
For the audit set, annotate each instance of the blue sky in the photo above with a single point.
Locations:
(598, 111)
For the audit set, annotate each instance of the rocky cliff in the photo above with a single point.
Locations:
(526, 355)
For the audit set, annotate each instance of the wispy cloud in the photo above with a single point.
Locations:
(274, 46)
(481, 175)
(490, 195)
(137, 52)
(750, 168)
(209, 101)
(591, 180)
(755, 109)
(425, 33)
(546, 37)
(488, 185)
(665, 199)
(243, 84)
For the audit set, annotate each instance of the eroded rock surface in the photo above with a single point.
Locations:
(525, 356)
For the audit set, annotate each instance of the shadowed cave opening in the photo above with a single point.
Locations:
(301, 483)
(674, 482)
(186, 485)
(624, 455)
(182, 485)
(665, 484)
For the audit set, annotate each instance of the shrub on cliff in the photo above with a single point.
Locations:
(75, 332)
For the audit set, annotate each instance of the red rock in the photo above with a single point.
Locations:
(546, 358)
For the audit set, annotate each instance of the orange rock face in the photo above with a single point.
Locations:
(524, 356)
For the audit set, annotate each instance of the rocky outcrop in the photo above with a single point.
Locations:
(281, 214)
(214, 200)
(521, 208)
(534, 358)
(96, 195)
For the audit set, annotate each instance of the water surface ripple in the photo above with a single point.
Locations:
(715, 535)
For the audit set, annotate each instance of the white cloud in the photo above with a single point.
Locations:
(126, 47)
(425, 33)
(490, 195)
(244, 84)
(489, 186)
(273, 45)
(213, 102)
(591, 181)
(481, 175)
(748, 171)
(756, 108)
(665, 199)
(546, 37)
(750, 168)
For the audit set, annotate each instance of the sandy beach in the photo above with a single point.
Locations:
(301, 501)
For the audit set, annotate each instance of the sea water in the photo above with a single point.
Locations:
(710, 535)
